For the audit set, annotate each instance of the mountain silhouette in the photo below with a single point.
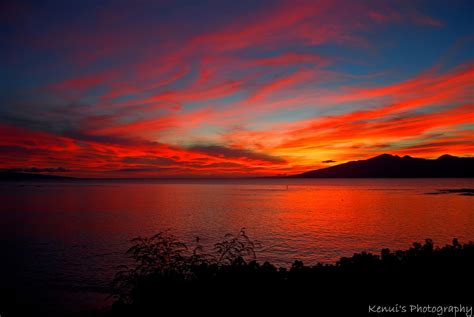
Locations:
(393, 166)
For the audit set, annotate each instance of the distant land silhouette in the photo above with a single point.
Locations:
(20, 176)
(382, 166)
(393, 166)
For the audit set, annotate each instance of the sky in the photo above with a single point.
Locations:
(231, 88)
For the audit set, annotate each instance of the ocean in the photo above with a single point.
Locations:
(63, 241)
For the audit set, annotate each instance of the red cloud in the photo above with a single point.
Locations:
(413, 109)
(180, 88)
(25, 148)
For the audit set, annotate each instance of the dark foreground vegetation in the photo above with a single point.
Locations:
(168, 277)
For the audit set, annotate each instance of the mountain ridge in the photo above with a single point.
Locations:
(394, 166)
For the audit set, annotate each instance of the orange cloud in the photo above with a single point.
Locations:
(259, 93)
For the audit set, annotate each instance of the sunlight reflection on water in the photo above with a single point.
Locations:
(72, 236)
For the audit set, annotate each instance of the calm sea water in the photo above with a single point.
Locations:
(65, 240)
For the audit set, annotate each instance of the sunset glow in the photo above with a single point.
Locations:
(242, 88)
